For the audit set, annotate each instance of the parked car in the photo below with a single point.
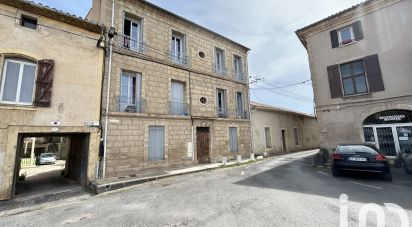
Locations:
(360, 158)
(45, 158)
(407, 160)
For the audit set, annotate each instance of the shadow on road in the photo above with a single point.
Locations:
(300, 177)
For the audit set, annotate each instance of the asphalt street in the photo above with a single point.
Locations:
(281, 191)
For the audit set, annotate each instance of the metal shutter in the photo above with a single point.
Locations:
(177, 104)
(233, 139)
(156, 143)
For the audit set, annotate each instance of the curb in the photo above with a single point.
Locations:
(101, 188)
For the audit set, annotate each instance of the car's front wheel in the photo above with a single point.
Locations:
(336, 172)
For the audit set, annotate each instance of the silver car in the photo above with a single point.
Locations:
(407, 161)
(46, 158)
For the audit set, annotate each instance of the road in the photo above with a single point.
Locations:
(281, 191)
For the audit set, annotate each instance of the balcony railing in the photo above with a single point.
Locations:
(179, 109)
(222, 112)
(130, 104)
(239, 76)
(178, 58)
(219, 70)
(126, 42)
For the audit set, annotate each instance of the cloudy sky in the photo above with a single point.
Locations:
(265, 26)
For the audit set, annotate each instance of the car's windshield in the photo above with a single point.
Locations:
(356, 149)
(46, 155)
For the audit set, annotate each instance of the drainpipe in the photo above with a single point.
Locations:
(108, 97)
(191, 116)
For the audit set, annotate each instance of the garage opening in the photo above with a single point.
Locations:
(50, 163)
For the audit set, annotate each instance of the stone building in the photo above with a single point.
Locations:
(360, 61)
(178, 91)
(51, 72)
(278, 130)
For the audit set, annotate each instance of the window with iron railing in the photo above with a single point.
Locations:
(221, 107)
(219, 66)
(237, 68)
(177, 53)
(131, 37)
(130, 89)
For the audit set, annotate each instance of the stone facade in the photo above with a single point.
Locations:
(341, 119)
(76, 82)
(278, 119)
(128, 133)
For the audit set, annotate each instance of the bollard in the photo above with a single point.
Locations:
(224, 161)
(239, 159)
(252, 156)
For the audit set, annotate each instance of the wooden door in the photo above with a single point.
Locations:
(203, 145)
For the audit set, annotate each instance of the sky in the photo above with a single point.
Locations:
(267, 27)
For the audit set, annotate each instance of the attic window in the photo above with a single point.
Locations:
(28, 22)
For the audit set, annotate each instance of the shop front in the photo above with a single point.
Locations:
(390, 131)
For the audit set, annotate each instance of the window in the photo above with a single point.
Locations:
(296, 134)
(369, 134)
(178, 51)
(130, 90)
(268, 137)
(28, 22)
(156, 143)
(233, 139)
(346, 35)
(132, 34)
(237, 68)
(240, 110)
(353, 78)
(221, 103)
(220, 62)
(178, 105)
(17, 86)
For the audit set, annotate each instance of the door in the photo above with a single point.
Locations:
(78, 159)
(284, 140)
(386, 140)
(404, 134)
(156, 143)
(203, 145)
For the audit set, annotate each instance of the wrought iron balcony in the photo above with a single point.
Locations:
(219, 70)
(130, 104)
(222, 112)
(240, 114)
(126, 42)
(179, 109)
(178, 58)
(239, 76)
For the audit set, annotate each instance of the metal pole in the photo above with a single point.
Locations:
(108, 97)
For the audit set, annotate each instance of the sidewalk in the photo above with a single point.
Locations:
(108, 184)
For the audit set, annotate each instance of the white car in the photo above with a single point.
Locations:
(46, 158)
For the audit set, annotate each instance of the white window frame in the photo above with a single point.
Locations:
(352, 35)
(18, 92)
(220, 65)
(178, 53)
(237, 62)
(139, 33)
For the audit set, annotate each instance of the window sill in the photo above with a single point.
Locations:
(347, 44)
(357, 95)
(17, 107)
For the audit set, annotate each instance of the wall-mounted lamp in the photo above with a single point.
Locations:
(112, 32)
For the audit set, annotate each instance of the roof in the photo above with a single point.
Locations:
(260, 106)
(362, 4)
(52, 13)
(191, 22)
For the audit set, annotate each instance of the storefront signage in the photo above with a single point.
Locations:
(392, 117)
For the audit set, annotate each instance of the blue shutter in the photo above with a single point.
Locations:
(156, 143)
(233, 139)
(177, 103)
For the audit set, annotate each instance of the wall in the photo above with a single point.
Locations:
(384, 24)
(77, 70)
(308, 131)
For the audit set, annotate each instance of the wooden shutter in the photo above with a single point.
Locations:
(357, 30)
(335, 82)
(44, 83)
(334, 38)
(373, 73)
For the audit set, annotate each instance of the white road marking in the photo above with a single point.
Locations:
(366, 185)
(323, 173)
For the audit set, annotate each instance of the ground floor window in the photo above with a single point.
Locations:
(390, 131)
(233, 139)
(156, 143)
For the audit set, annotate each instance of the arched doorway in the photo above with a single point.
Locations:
(390, 131)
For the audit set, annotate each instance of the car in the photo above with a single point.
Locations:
(46, 158)
(407, 160)
(360, 158)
